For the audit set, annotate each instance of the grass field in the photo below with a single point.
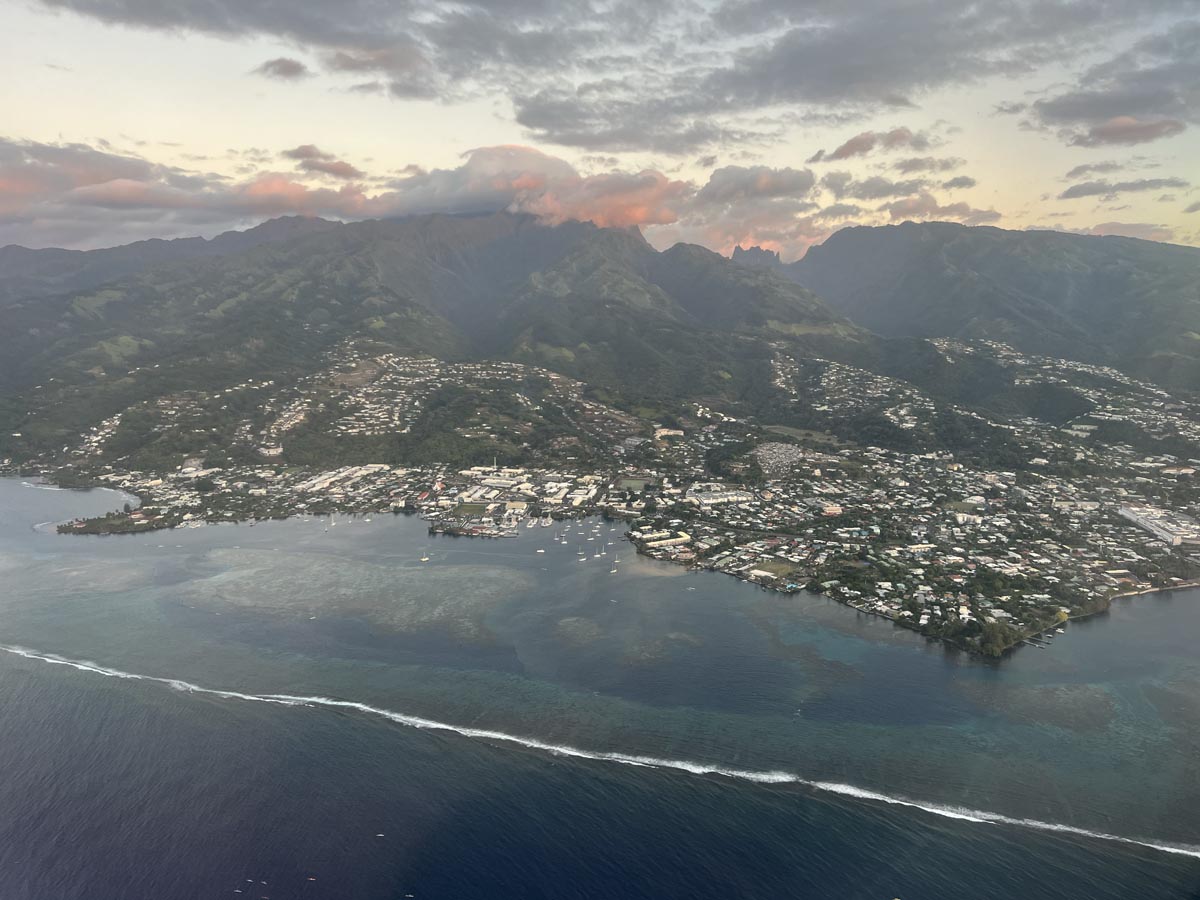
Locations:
(805, 434)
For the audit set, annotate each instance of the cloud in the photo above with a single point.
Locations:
(1127, 130)
(926, 206)
(1109, 190)
(863, 143)
(1009, 108)
(749, 205)
(960, 182)
(839, 211)
(283, 68)
(77, 195)
(1195, 207)
(1098, 168)
(733, 183)
(84, 196)
(875, 187)
(1145, 93)
(676, 78)
(1140, 230)
(309, 158)
(926, 164)
(334, 167)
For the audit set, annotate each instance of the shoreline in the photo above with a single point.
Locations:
(956, 644)
(117, 522)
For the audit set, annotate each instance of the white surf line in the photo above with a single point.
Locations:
(650, 762)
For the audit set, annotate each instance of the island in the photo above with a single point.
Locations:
(985, 550)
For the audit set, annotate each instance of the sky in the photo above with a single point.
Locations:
(751, 122)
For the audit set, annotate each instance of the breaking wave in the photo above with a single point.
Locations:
(651, 762)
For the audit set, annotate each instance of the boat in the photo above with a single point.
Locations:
(424, 558)
(539, 550)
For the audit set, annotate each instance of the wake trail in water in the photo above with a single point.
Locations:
(628, 759)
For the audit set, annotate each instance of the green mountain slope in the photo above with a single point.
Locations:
(600, 304)
(28, 273)
(1119, 301)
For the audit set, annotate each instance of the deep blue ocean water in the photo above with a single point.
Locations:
(149, 748)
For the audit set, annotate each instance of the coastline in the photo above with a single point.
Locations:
(1025, 638)
(143, 516)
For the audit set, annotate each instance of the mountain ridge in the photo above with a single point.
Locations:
(594, 303)
(1112, 300)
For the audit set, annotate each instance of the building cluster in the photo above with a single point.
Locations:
(956, 547)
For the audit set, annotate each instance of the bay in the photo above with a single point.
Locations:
(522, 724)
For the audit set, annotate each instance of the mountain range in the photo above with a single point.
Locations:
(1118, 301)
(599, 304)
(85, 335)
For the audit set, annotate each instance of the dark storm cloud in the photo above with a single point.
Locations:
(625, 75)
(1110, 189)
(284, 69)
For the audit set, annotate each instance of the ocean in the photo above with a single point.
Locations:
(307, 709)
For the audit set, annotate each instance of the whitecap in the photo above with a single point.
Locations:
(652, 762)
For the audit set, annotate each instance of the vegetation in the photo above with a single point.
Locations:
(1119, 301)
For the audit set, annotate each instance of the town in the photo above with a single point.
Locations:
(983, 556)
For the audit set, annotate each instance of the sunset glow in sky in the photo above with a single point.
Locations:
(771, 122)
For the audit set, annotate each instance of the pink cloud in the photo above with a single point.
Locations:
(1128, 130)
(1142, 230)
(864, 143)
(926, 206)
